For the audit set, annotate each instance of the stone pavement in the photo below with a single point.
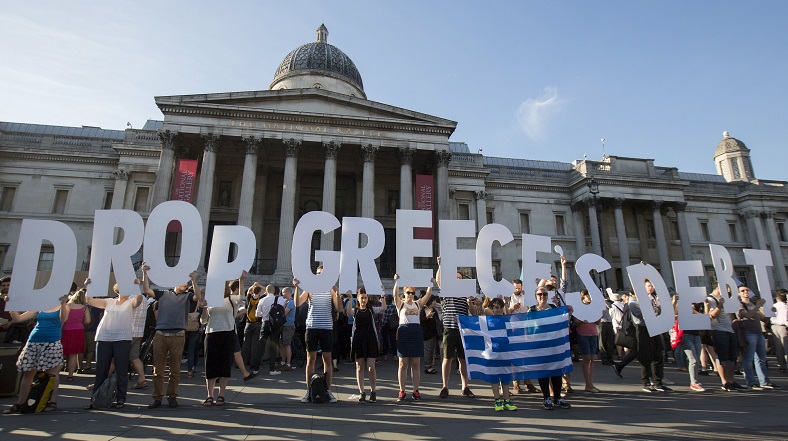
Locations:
(269, 408)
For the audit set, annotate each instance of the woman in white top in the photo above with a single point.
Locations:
(219, 346)
(410, 341)
(113, 340)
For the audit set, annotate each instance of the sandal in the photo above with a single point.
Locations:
(208, 402)
(141, 385)
(444, 392)
(51, 406)
(190, 374)
(70, 378)
(467, 392)
(118, 405)
(220, 400)
(16, 408)
(430, 371)
(89, 407)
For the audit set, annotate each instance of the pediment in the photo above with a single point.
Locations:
(300, 103)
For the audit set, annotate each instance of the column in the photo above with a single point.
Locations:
(119, 192)
(580, 234)
(331, 150)
(621, 236)
(662, 246)
(596, 244)
(205, 192)
(258, 218)
(756, 220)
(442, 158)
(481, 209)
(777, 252)
(368, 154)
(161, 187)
(284, 267)
(681, 218)
(405, 178)
(246, 205)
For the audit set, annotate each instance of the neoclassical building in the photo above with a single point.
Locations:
(314, 141)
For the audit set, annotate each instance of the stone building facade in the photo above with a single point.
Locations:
(313, 141)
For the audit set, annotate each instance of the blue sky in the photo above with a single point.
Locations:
(525, 79)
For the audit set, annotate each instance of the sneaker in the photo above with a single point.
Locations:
(498, 406)
(771, 386)
(362, 398)
(697, 387)
(662, 388)
(738, 386)
(563, 404)
(154, 404)
(728, 387)
(373, 397)
(172, 401)
(617, 370)
(416, 396)
(648, 388)
(255, 371)
(401, 396)
(306, 398)
(703, 372)
(668, 382)
(331, 397)
(507, 404)
(275, 372)
(548, 403)
(755, 387)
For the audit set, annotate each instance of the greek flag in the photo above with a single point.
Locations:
(502, 348)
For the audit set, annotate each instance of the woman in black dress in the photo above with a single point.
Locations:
(364, 340)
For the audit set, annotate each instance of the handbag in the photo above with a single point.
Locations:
(193, 321)
(676, 335)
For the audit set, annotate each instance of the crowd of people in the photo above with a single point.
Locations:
(260, 324)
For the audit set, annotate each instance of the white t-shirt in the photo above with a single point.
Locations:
(409, 313)
(118, 321)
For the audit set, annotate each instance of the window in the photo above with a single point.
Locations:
(559, 225)
(674, 229)
(496, 269)
(732, 230)
(45, 259)
(704, 231)
(525, 223)
(652, 233)
(393, 201)
(141, 199)
(741, 275)
(108, 199)
(464, 211)
(735, 168)
(7, 198)
(59, 206)
(781, 231)
(490, 217)
(3, 252)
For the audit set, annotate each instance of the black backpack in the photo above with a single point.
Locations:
(317, 389)
(277, 316)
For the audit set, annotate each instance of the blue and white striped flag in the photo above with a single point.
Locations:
(502, 348)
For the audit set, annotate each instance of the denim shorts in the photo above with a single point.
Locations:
(588, 344)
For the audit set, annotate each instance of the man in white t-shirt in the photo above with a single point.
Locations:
(269, 335)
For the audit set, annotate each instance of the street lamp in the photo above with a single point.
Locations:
(593, 188)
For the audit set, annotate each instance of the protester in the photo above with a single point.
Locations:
(778, 324)
(270, 335)
(726, 344)
(251, 348)
(192, 341)
(516, 306)
(428, 317)
(410, 340)
(500, 389)
(137, 336)
(389, 325)
(113, 340)
(364, 341)
(649, 349)
(751, 315)
(42, 352)
(288, 331)
(691, 346)
(170, 334)
(548, 383)
(588, 341)
(74, 331)
(319, 332)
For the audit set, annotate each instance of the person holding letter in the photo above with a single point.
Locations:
(751, 314)
(364, 341)
(410, 341)
(553, 382)
(726, 345)
(500, 389)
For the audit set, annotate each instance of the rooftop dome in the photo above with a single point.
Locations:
(729, 144)
(318, 59)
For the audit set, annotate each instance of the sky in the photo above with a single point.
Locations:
(544, 80)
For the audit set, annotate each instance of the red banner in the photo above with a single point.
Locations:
(183, 186)
(425, 197)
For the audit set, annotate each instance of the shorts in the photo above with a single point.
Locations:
(726, 345)
(40, 356)
(452, 344)
(588, 344)
(287, 335)
(136, 342)
(322, 337)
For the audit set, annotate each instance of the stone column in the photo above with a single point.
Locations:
(662, 246)
(161, 187)
(405, 178)
(481, 209)
(621, 236)
(331, 150)
(246, 205)
(442, 158)
(284, 267)
(368, 153)
(580, 234)
(593, 220)
(681, 218)
(777, 253)
(205, 192)
(119, 192)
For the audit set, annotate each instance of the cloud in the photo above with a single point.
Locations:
(534, 114)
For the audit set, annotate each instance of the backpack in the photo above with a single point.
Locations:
(105, 395)
(40, 393)
(317, 389)
(394, 320)
(277, 316)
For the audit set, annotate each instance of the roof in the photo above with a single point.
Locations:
(152, 124)
(527, 163)
(77, 132)
(702, 177)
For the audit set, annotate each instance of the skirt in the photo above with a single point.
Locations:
(219, 349)
(410, 340)
(73, 341)
(364, 345)
(40, 356)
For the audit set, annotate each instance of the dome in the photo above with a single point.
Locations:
(729, 144)
(319, 59)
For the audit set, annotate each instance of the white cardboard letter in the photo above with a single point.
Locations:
(656, 324)
(408, 247)
(723, 268)
(682, 271)
(354, 258)
(491, 233)
(592, 311)
(219, 269)
(453, 258)
(105, 252)
(191, 245)
(532, 269)
(760, 259)
(302, 246)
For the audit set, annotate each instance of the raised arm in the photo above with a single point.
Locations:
(197, 292)
(138, 297)
(423, 300)
(438, 273)
(145, 281)
(395, 291)
(336, 298)
(299, 298)
(98, 303)
(64, 309)
(349, 310)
